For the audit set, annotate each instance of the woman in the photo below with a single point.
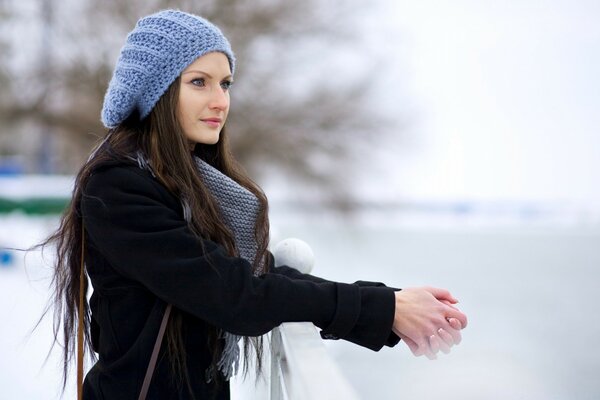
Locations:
(172, 231)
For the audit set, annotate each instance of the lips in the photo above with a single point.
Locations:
(212, 122)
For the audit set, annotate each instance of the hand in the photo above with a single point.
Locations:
(427, 320)
(448, 340)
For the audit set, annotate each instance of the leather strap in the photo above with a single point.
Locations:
(155, 351)
(80, 349)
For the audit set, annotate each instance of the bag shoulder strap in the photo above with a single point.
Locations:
(155, 351)
(80, 327)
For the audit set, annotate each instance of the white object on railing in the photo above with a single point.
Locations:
(294, 253)
(301, 368)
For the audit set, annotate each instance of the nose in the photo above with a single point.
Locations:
(219, 99)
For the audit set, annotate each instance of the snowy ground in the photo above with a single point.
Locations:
(25, 373)
(23, 296)
(530, 294)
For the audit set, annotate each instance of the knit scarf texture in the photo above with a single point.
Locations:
(239, 209)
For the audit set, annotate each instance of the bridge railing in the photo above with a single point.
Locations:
(302, 369)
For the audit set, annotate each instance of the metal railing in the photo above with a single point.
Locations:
(301, 368)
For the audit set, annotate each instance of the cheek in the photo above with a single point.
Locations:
(186, 114)
(228, 107)
(187, 102)
(181, 103)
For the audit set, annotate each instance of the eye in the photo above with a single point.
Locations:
(198, 82)
(226, 85)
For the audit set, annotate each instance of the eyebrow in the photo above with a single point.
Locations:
(204, 73)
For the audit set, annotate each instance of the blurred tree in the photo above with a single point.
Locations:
(4, 81)
(297, 105)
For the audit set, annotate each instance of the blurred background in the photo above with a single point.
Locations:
(452, 144)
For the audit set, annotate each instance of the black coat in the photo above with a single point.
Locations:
(140, 255)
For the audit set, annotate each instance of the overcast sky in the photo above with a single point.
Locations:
(503, 98)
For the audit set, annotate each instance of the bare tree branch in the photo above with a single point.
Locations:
(279, 119)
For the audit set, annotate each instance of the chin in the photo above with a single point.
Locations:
(208, 139)
(211, 141)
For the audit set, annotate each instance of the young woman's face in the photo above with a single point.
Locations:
(204, 98)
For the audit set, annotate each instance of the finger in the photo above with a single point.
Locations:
(414, 348)
(412, 345)
(434, 344)
(455, 333)
(441, 343)
(447, 341)
(425, 348)
(455, 313)
(454, 323)
(441, 294)
(430, 355)
(449, 304)
(418, 345)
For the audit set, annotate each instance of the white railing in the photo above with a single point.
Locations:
(301, 368)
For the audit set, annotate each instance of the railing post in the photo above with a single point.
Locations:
(276, 356)
(301, 368)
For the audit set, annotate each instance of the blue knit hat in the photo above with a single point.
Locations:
(158, 49)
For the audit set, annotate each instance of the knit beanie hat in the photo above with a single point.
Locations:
(157, 50)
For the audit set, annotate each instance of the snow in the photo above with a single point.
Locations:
(19, 187)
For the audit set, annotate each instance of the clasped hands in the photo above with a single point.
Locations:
(427, 320)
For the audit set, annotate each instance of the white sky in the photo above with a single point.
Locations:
(503, 98)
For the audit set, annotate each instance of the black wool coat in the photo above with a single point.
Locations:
(140, 256)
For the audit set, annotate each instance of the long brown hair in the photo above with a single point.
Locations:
(161, 140)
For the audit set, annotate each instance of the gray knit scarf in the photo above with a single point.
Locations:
(239, 208)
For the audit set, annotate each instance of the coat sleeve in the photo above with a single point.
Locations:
(129, 218)
(293, 273)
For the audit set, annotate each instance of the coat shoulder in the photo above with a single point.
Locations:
(122, 180)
